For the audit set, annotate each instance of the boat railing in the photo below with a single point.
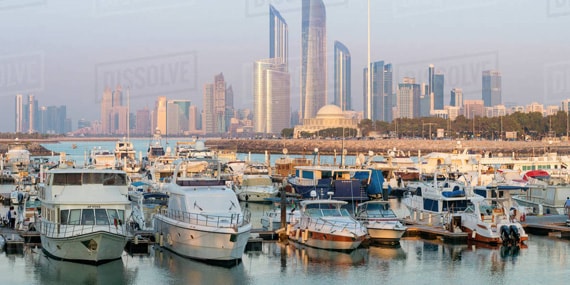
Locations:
(57, 230)
(230, 220)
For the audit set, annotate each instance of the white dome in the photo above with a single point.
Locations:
(329, 111)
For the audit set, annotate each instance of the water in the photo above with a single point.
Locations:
(545, 260)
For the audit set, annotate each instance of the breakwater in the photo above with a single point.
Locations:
(382, 146)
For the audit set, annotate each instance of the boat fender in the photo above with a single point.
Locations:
(161, 240)
(473, 234)
(289, 229)
(297, 233)
(305, 235)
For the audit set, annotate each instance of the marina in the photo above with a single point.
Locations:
(145, 250)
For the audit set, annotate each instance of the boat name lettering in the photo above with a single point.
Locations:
(94, 206)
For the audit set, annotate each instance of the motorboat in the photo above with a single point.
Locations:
(125, 156)
(324, 224)
(101, 159)
(83, 214)
(204, 219)
(381, 221)
(428, 201)
(255, 188)
(346, 184)
(491, 218)
(146, 205)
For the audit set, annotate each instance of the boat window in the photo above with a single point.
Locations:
(74, 217)
(92, 178)
(114, 179)
(101, 217)
(63, 216)
(67, 179)
(112, 213)
(87, 217)
(121, 214)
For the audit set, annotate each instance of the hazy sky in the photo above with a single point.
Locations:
(66, 51)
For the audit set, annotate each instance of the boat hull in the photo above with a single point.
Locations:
(203, 243)
(93, 248)
(344, 241)
(385, 233)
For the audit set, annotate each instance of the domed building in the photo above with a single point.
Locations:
(328, 117)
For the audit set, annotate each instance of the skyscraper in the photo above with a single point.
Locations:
(492, 88)
(19, 119)
(456, 97)
(438, 84)
(219, 104)
(271, 101)
(113, 99)
(431, 83)
(313, 58)
(271, 81)
(388, 93)
(408, 98)
(160, 115)
(278, 36)
(342, 76)
(208, 109)
(376, 99)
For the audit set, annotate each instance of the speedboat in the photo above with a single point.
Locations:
(382, 223)
(204, 219)
(145, 206)
(255, 188)
(83, 214)
(325, 224)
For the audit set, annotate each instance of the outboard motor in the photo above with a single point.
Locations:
(505, 234)
(515, 235)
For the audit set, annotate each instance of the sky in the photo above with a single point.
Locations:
(65, 52)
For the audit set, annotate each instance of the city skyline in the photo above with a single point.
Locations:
(64, 62)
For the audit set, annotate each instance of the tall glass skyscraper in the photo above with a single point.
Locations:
(271, 81)
(278, 36)
(431, 83)
(342, 76)
(376, 99)
(389, 93)
(313, 58)
(492, 88)
(438, 84)
(456, 97)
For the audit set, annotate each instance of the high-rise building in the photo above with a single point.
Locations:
(112, 112)
(220, 104)
(491, 88)
(272, 81)
(374, 102)
(313, 58)
(194, 123)
(159, 117)
(473, 108)
(389, 94)
(32, 114)
(143, 124)
(438, 84)
(431, 83)
(208, 111)
(271, 101)
(278, 36)
(19, 119)
(178, 116)
(408, 98)
(456, 98)
(342, 76)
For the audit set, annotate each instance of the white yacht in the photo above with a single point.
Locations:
(83, 214)
(255, 188)
(203, 219)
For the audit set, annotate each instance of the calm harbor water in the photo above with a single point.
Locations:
(545, 260)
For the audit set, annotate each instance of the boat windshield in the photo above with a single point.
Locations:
(91, 217)
(315, 212)
(110, 178)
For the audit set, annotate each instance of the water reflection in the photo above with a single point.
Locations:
(383, 252)
(309, 255)
(53, 271)
(190, 271)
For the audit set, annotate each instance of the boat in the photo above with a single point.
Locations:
(125, 156)
(432, 199)
(285, 165)
(346, 184)
(83, 214)
(324, 224)
(101, 159)
(204, 219)
(155, 149)
(271, 220)
(255, 188)
(17, 157)
(145, 206)
(382, 223)
(491, 218)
